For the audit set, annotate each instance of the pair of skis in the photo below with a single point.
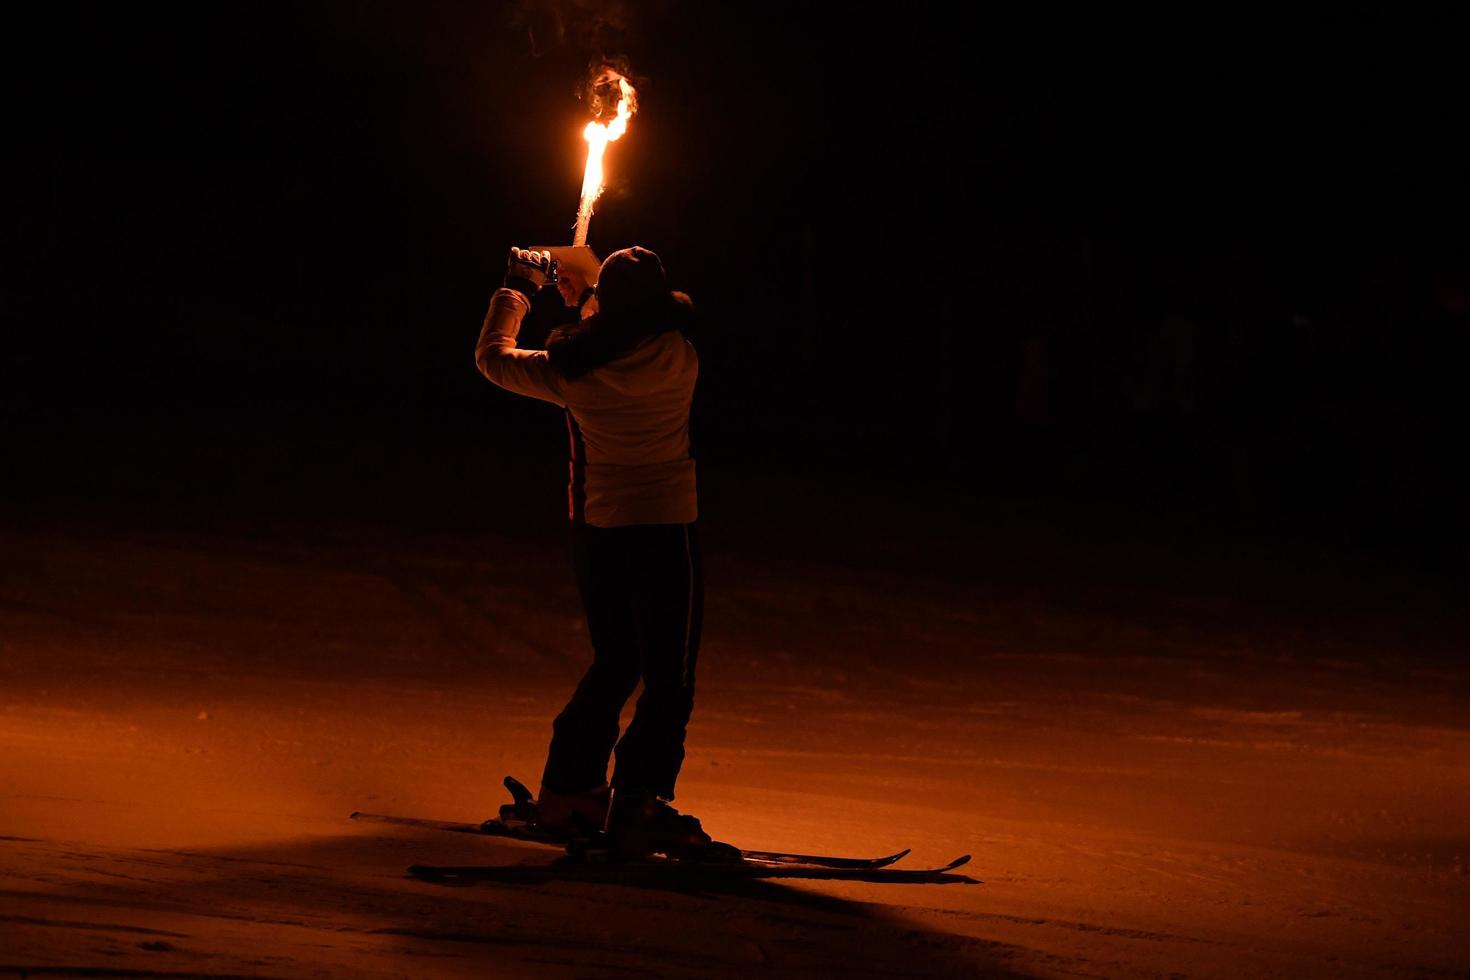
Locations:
(584, 860)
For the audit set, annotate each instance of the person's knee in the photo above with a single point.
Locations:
(595, 705)
(611, 681)
(666, 699)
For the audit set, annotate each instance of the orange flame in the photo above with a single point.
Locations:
(598, 135)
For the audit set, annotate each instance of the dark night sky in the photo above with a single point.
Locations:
(1218, 267)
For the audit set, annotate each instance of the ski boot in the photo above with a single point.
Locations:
(642, 824)
(572, 814)
(555, 816)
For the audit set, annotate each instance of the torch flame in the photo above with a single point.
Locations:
(598, 135)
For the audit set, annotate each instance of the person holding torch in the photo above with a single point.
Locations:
(624, 373)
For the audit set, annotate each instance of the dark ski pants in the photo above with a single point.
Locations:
(642, 591)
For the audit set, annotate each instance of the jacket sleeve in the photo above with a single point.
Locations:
(525, 372)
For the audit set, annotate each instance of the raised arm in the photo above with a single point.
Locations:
(525, 372)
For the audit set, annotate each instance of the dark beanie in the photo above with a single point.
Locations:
(632, 281)
(634, 302)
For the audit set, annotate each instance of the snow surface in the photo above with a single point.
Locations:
(1179, 784)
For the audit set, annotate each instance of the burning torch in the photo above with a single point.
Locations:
(609, 84)
(597, 134)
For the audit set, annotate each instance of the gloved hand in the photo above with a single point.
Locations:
(526, 270)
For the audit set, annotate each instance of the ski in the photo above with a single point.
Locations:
(491, 828)
(498, 828)
(518, 822)
(692, 871)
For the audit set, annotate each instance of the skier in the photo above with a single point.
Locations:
(624, 372)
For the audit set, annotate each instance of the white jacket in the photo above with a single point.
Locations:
(628, 420)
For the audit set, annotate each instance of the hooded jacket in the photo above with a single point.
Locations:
(627, 419)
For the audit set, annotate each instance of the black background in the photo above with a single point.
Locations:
(1211, 270)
